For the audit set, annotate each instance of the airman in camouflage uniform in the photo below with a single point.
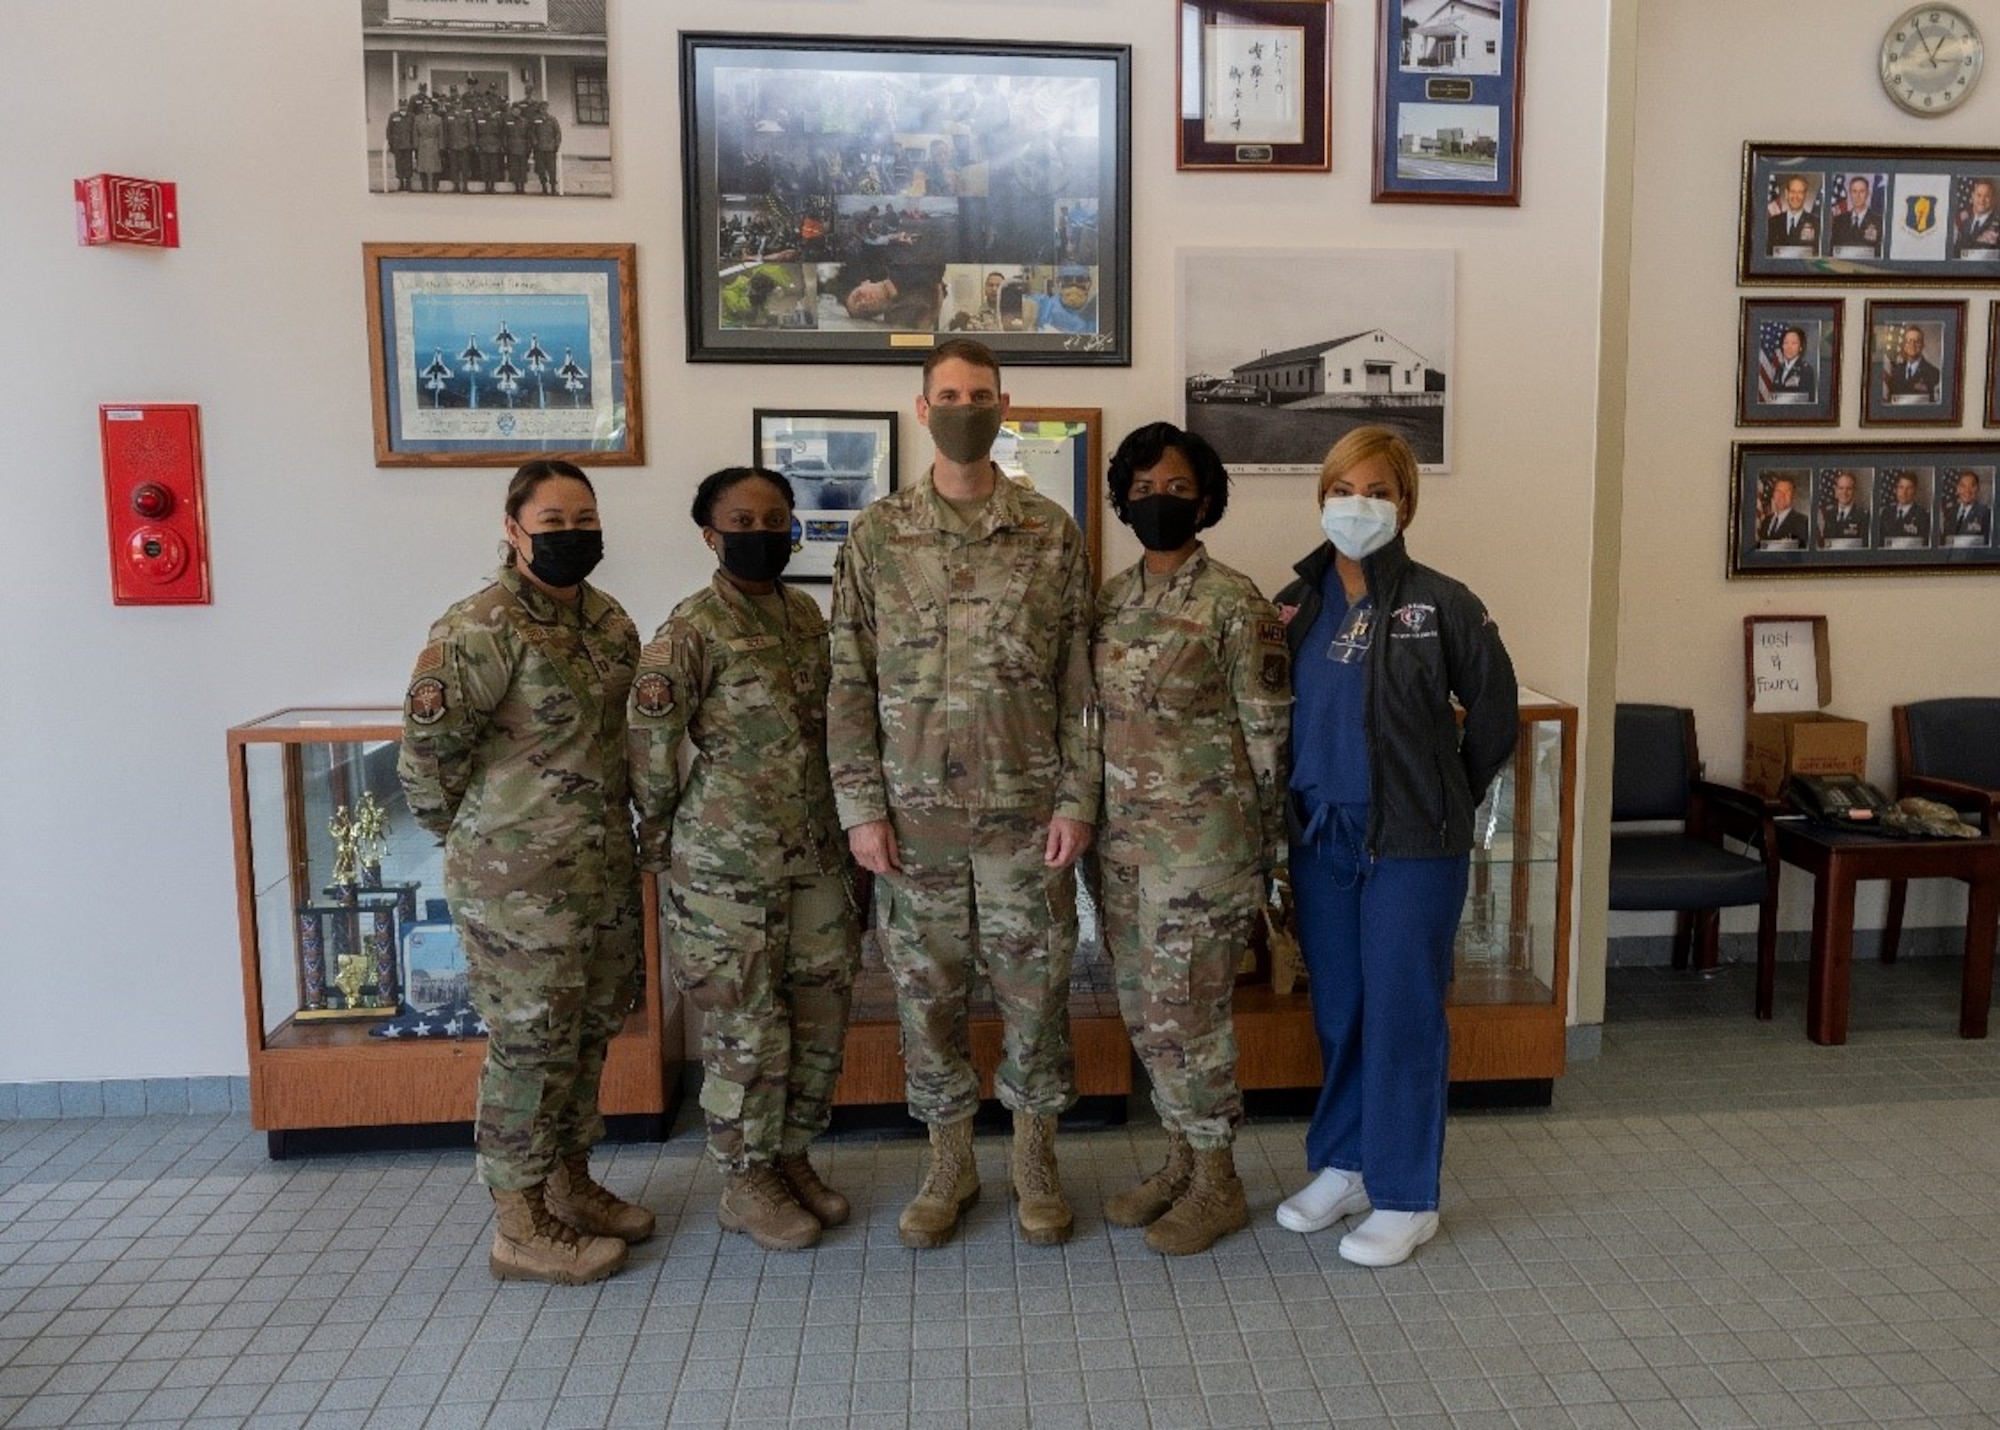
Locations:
(966, 776)
(1194, 680)
(762, 932)
(513, 754)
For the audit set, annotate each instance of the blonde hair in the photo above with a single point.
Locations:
(1363, 444)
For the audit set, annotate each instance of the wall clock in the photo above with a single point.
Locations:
(1931, 58)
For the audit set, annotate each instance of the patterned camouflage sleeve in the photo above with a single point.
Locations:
(1260, 675)
(1080, 786)
(460, 677)
(666, 691)
(853, 720)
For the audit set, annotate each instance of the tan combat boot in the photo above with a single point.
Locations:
(577, 1201)
(531, 1245)
(829, 1207)
(1213, 1207)
(1045, 1216)
(1148, 1202)
(950, 1185)
(757, 1202)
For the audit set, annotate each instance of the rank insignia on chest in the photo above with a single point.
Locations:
(652, 695)
(426, 701)
(750, 643)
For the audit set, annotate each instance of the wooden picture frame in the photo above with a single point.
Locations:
(1788, 362)
(1059, 451)
(837, 463)
(1255, 86)
(876, 229)
(1449, 83)
(1992, 418)
(1859, 213)
(490, 354)
(1862, 508)
(1914, 372)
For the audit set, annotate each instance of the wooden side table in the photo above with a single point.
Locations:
(1838, 860)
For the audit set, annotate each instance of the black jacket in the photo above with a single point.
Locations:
(1433, 640)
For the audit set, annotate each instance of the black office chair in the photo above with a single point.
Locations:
(1656, 777)
(1949, 751)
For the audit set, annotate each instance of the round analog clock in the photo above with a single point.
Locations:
(1931, 58)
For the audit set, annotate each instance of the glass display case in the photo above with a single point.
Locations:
(346, 934)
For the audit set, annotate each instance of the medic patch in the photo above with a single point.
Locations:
(1415, 621)
(430, 658)
(652, 695)
(425, 702)
(1273, 632)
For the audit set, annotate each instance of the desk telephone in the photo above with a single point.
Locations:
(1841, 800)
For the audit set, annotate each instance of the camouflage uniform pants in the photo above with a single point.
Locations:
(1175, 937)
(973, 896)
(550, 1013)
(771, 967)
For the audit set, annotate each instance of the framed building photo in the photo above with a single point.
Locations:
(857, 200)
(1059, 451)
(1788, 363)
(1833, 508)
(1848, 213)
(1448, 88)
(487, 354)
(1916, 365)
(1255, 85)
(837, 463)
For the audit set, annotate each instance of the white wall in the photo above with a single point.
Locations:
(118, 949)
(1706, 84)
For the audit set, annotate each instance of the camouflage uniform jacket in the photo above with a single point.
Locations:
(1195, 682)
(514, 755)
(748, 693)
(961, 659)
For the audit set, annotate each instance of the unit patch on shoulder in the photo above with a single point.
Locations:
(652, 695)
(425, 701)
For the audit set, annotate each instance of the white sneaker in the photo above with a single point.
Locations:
(1388, 1238)
(1333, 1194)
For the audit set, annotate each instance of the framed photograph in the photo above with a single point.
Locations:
(488, 354)
(1915, 373)
(1788, 363)
(858, 200)
(1255, 84)
(837, 463)
(1835, 508)
(1284, 351)
(1448, 87)
(1059, 451)
(1849, 213)
(1993, 365)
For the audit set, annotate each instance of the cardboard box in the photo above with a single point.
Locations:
(1787, 684)
(1800, 743)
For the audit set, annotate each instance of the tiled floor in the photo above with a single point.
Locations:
(1717, 1224)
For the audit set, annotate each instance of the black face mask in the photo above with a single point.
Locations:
(755, 555)
(1164, 523)
(563, 558)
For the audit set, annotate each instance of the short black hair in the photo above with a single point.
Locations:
(1142, 450)
(715, 484)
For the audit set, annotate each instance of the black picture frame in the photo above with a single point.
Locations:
(1891, 396)
(1993, 365)
(1881, 533)
(1776, 386)
(1914, 227)
(1255, 86)
(1469, 68)
(837, 463)
(851, 199)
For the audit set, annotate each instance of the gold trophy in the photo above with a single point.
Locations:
(352, 977)
(343, 829)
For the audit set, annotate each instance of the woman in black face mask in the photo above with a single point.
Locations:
(761, 930)
(1195, 687)
(514, 754)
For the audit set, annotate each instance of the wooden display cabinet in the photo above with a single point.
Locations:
(313, 1064)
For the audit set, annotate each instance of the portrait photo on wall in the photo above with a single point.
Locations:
(1915, 370)
(487, 97)
(1823, 508)
(1862, 214)
(837, 463)
(856, 200)
(1284, 351)
(1788, 363)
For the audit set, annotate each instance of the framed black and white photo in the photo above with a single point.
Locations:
(1255, 79)
(1839, 508)
(852, 200)
(1059, 451)
(1448, 99)
(837, 463)
(1788, 363)
(1915, 373)
(1284, 351)
(1850, 213)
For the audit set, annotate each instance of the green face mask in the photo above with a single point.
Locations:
(964, 432)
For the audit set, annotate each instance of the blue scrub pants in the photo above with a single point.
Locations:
(1377, 938)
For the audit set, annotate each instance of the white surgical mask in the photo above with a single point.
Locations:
(1358, 526)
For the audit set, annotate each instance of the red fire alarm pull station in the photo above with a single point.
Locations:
(111, 208)
(153, 500)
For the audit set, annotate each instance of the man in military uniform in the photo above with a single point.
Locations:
(965, 778)
(402, 143)
(516, 138)
(547, 142)
(486, 141)
(458, 145)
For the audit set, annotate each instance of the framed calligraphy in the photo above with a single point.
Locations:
(1255, 82)
(1448, 89)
